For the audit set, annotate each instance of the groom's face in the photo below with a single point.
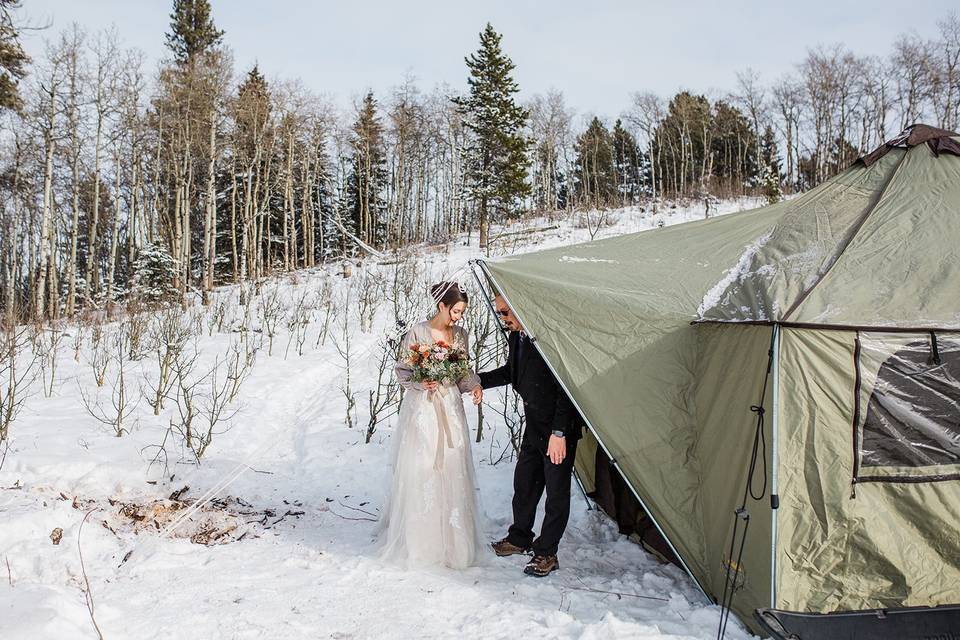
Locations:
(505, 313)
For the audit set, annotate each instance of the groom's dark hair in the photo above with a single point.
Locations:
(449, 293)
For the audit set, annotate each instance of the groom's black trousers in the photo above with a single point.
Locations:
(534, 474)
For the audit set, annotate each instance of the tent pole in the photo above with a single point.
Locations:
(493, 312)
(774, 496)
(474, 264)
(583, 489)
(613, 460)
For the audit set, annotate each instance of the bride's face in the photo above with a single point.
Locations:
(453, 314)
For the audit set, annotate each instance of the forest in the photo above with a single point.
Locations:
(120, 182)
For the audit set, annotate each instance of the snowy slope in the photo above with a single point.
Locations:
(299, 494)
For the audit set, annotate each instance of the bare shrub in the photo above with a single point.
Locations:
(510, 409)
(47, 344)
(214, 406)
(482, 329)
(170, 336)
(384, 396)
(140, 338)
(123, 400)
(185, 395)
(593, 220)
(369, 298)
(240, 363)
(343, 342)
(405, 300)
(76, 341)
(328, 311)
(17, 373)
(99, 356)
(271, 311)
(298, 321)
(220, 311)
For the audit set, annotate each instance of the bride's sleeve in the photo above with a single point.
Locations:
(471, 380)
(403, 370)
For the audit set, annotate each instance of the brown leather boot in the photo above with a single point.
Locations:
(506, 548)
(541, 566)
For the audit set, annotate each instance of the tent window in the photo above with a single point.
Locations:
(907, 412)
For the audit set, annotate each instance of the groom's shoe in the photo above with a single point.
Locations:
(506, 548)
(541, 566)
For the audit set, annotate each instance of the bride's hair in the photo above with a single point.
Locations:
(449, 293)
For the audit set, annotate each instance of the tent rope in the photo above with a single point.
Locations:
(740, 513)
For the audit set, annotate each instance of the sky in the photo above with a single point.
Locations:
(597, 53)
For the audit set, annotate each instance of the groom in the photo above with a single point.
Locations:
(547, 450)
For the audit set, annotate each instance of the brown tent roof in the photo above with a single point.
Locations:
(939, 141)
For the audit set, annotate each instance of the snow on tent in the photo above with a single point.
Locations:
(801, 361)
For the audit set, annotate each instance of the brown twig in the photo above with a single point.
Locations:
(614, 593)
(6, 447)
(346, 518)
(356, 509)
(9, 573)
(88, 595)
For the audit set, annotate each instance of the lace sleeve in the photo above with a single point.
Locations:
(471, 380)
(403, 370)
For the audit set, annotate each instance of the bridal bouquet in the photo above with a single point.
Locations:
(439, 361)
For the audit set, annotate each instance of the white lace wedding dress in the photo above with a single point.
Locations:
(431, 516)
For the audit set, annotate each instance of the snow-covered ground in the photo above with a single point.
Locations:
(295, 523)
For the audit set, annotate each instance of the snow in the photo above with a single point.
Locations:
(734, 276)
(580, 259)
(292, 527)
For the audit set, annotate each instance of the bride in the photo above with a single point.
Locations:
(431, 516)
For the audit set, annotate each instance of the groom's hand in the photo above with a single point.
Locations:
(556, 449)
(477, 394)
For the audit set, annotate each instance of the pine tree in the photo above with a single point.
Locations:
(626, 163)
(191, 29)
(368, 175)
(770, 161)
(595, 175)
(153, 275)
(769, 155)
(253, 107)
(497, 158)
(13, 61)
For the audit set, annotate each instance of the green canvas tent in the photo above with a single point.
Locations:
(801, 361)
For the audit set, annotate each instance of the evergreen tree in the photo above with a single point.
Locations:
(153, 275)
(252, 111)
(595, 174)
(626, 164)
(682, 144)
(770, 156)
(734, 149)
(770, 177)
(13, 61)
(192, 30)
(497, 158)
(368, 178)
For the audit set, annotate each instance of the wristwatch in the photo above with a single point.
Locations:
(558, 433)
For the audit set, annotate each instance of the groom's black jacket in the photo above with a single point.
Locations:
(546, 405)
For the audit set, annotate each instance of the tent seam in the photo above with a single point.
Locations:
(853, 234)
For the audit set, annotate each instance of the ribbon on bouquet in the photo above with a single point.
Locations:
(443, 426)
